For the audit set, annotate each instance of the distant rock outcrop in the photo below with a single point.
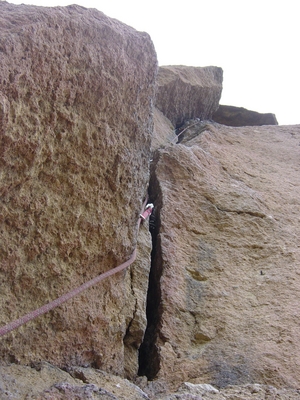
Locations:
(225, 289)
(76, 93)
(239, 116)
(185, 93)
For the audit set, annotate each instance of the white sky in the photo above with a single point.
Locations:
(255, 42)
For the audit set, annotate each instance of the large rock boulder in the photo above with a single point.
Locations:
(184, 92)
(239, 116)
(224, 296)
(76, 92)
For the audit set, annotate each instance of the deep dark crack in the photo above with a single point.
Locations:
(149, 359)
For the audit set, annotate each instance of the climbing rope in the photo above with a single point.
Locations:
(67, 296)
(179, 134)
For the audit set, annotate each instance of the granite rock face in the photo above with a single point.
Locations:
(76, 90)
(185, 93)
(224, 305)
(239, 116)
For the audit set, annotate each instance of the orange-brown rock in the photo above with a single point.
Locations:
(76, 112)
(185, 93)
(239, 116)
(224, 308)
(76, 90)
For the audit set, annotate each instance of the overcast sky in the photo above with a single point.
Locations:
(255, 42)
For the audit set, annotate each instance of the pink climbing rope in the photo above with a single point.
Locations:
(67, 296)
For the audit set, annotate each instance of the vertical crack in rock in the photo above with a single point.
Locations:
(149, 358)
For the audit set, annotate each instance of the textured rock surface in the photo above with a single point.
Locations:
(47, 382)
(225, 309)
(189, 391)
(136, 284)
(184, 92)
(76, 92)
(163, 131)
(239, 116)
(43, 381)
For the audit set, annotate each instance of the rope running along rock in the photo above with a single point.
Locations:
(67, 296)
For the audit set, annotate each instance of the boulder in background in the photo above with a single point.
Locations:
(239, 116)
(185, 93)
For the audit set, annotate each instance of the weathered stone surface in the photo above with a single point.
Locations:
(21, 382)
(136, 284)
(191, 129)
(47, 382)
(239, 116)
(189, 391)
(43, 381)
(225, 308)
(163, 131)
(184, 92)
(76, 90)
